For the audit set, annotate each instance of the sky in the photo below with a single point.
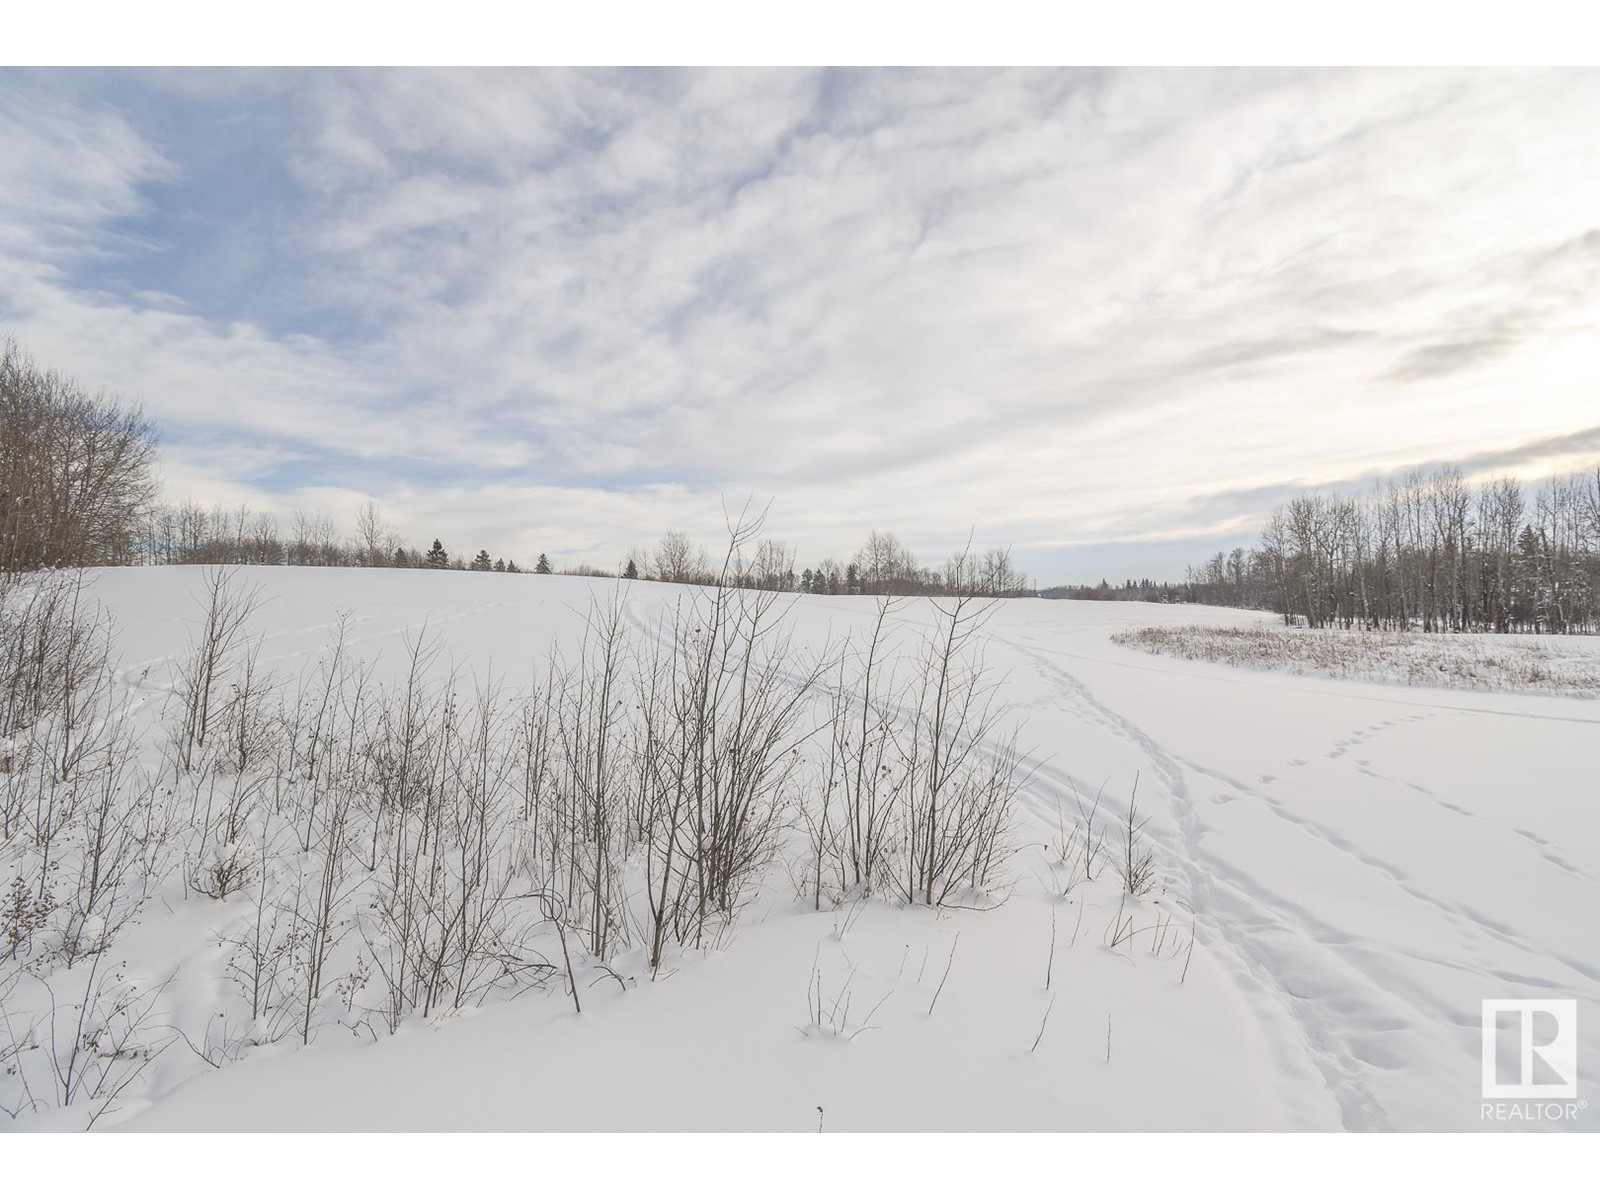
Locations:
(1109, 318)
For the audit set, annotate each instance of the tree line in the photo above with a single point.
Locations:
(1431, 551)
(883, 566)
(1147, 590)
(190, 534)
(1428, 551)
(78, 488)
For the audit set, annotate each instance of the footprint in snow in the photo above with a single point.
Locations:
(1372, 1052)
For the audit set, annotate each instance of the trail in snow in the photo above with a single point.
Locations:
(1372, 1010)
(1364, 863)
(1231, 909)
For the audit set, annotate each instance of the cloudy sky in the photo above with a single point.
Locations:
(1106, 317)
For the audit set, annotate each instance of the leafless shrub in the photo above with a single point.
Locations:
(220, 861)
(1137, 866)
(443, 922)
(1094, 838)
(830, 1013)
(249, 728)
(957, 803)
(722, 698)
(209, 664)
(1078, 850)
(1121, 927)
(864, 771)
(260, 955)
(25, 914)
(321, 896)
(118, 844)
(78, 829)
(87, 1047)
(406, 850)
(594, 796)
(53, 647)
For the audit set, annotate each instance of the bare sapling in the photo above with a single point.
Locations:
(259, 954)
(871, 778)
(321, 897)
(1045, 1020)
(249, 726)
(1137, 866)
(228, 609)
(83, 721)
(593, 737)
(117, 841)
(96, 1042)
(961, 788)
(726, 731)
(943, 979)
(830, 1014)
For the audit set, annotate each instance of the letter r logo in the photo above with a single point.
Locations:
(1530, 1049)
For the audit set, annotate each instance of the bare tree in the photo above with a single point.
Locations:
(884, 565)
(679, 560)
(77, 470)
(374, 538)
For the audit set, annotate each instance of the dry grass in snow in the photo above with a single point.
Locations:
(1478, 661)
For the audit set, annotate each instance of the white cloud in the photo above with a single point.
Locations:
(1054, 306)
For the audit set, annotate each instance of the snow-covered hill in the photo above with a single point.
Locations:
(1342, 873)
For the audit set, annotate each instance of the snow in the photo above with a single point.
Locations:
(1360, 863)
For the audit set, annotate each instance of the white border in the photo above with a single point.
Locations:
(842, 32)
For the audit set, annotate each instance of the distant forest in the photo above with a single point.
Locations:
(1430, 551)
(1147, 590)
(188, 533)
(78, 488)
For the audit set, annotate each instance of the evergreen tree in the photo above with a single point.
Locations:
(542, 567)
(437, 556)
(481, 562)
(401, 558)
(633, 570)
(852, 580)
(512, 568)
(500, 565)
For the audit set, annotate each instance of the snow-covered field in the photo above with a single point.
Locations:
(1343, 872)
